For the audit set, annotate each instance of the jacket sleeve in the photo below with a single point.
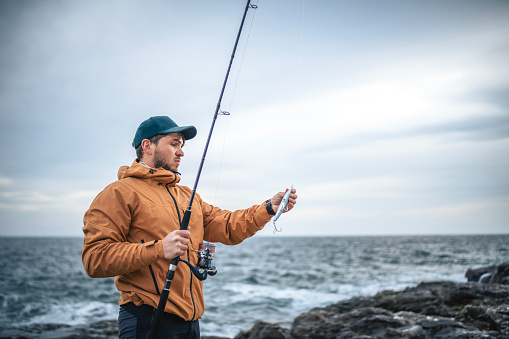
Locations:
(106, 252)
(232, 228)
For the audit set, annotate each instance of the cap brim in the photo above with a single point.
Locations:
(188, 132)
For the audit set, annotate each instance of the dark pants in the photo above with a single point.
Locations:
(134, 322)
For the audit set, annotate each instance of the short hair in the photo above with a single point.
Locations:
(155, 139)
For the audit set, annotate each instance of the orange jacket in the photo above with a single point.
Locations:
(126, 222)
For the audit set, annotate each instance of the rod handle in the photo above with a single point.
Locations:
(185, 220)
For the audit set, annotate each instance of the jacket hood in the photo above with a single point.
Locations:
(137, 170)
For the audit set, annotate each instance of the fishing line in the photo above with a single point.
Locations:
(301, 43)
(243, 55)
(227, 114)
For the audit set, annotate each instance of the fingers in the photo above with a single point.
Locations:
(293, 197)
(278, 197)
(175, 244)
(291, 203)
(292, 200)
(182, 235)
(181, 241)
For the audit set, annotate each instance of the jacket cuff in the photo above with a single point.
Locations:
(262, 217)
(154, 250)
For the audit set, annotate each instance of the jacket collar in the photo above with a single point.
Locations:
(138, 170)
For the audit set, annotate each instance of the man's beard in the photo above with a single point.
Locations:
(159, 162)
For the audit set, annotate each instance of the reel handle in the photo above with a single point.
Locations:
(200, 272)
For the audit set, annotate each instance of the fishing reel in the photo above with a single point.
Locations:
(204, 268)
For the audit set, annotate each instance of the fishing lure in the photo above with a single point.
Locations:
(281, 209)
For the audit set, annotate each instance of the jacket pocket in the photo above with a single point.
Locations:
(152, 272)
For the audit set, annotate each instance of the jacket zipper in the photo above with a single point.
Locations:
(188, 255)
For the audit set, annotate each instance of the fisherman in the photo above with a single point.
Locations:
(132, 231)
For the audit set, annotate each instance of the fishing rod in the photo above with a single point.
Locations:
(206, 250)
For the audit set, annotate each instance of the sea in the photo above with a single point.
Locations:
(273, 278)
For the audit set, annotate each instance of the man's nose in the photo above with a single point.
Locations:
(180, 152)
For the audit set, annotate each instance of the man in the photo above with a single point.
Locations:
(132, 231)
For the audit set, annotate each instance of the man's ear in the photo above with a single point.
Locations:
(147, 146)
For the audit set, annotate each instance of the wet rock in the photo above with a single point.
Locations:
(265, 330)
(492, 318)
(445, 299)
(475, 274)
(364, 322)
(489, 274)
(429, 310)
(501, 276)
(380, 323)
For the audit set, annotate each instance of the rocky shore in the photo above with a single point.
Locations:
(478, 308)
(430, 310)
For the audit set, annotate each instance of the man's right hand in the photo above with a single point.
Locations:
(175, 244)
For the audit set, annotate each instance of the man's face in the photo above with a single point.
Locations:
(168, 152)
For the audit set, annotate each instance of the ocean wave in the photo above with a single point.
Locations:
(74, 314)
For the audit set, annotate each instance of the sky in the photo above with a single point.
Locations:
(388, 117)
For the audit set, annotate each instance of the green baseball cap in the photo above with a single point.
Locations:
(161, 125)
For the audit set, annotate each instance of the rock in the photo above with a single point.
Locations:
(364, 322)
(475, 275)
(491, 318)
(380, 323)
(501, 276)
(489, 274)
(265, 330)
(434, 298)
(429, 310)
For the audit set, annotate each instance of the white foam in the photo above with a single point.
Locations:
(76, 314)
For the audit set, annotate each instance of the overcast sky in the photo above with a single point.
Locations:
(388, 117)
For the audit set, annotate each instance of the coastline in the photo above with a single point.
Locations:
(441, 309)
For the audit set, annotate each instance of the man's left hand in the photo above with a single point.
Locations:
(276, 200)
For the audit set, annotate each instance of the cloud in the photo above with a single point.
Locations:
(420, 97)
(458, 210)
(476, 128)
(25, 196)
(367, 115)
(366, 188)
(76, 201)
(4, 181)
